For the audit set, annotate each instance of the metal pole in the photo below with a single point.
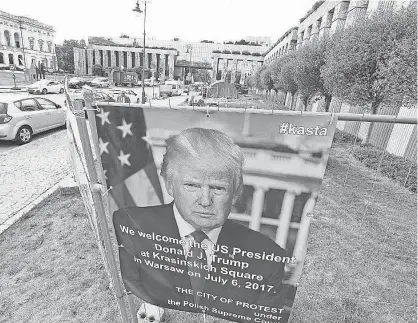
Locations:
(143, 60)
(341, 116)
(23, 49)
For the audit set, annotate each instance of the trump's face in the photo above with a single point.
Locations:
(203, 196)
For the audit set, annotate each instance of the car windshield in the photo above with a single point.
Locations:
(3, 108)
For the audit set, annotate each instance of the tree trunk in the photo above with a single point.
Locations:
(375, 107)
(328, 99)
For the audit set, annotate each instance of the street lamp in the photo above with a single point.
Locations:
(23, 49)
(189, 51)
(137, 9)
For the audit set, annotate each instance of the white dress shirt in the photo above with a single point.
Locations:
(185, 230)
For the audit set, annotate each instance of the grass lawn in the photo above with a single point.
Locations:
(360, 267)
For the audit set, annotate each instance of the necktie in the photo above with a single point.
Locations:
(197, 259)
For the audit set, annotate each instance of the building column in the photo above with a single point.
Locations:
(112, 58)
(154, 64)
(325, 25)
(214, 67)
(171, 67)
(105, 65)
(129, 59)
(356, 11)
(340, 14)
(285, 217)
(299, 251)
(315, 30)
(257, 208)
(234, 70)
(162, 65)
(90, 61)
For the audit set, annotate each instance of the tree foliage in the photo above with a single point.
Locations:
(375, 60)
(256, 80)
(283, 73)
(265, 79)
(97, 70)
(309, 60)
(65, 53)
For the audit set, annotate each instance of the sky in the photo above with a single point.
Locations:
(189, 20)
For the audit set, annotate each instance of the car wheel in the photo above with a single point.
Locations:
(24, 135)
(61, 91)
(44, 91)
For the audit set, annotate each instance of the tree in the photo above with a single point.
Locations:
(65, 53)
(256, 80)
(282, 74)
(309, 60)
(97, 70)
(375, 61)
(265, 79)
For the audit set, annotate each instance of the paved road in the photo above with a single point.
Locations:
(29, 170)
(60, 98)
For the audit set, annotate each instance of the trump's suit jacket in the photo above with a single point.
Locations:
(160, 276)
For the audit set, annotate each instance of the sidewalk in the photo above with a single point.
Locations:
(29, 171)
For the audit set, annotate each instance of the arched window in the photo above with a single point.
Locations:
(41, 45)
(11, 59)
(1, 58)
(17, 40)
(7, 37)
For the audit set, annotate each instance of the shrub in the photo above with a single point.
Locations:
(226, 51)
(216, 51)
(345, 137)
(237, 52)
(256, 54)
(246, 52)
(392, 166)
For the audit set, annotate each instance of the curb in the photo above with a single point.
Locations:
(65, 186)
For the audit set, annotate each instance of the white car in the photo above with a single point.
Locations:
(21, 119)
(100, 82)
(46, 86)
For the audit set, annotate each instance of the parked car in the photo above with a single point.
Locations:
(100, 82)
(46, 86)
(99, 96)
(147, 82)
(77, 82)
(21, 119)
(114, 93)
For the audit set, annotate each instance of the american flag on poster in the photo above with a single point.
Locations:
(127, 157)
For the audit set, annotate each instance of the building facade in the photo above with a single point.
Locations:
(25, 42)
(172, 59)
(327, 17)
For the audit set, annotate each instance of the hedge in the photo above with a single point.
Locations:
(392, 166)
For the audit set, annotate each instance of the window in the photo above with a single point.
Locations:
(1, 58)
(11, 59)
(17, 40)
(20, 59)
(41, 45)
(31, 43)
(46, 104)
(49, 47)
(7, 37)
(27, 105)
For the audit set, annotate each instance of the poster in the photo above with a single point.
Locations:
(211, 211)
